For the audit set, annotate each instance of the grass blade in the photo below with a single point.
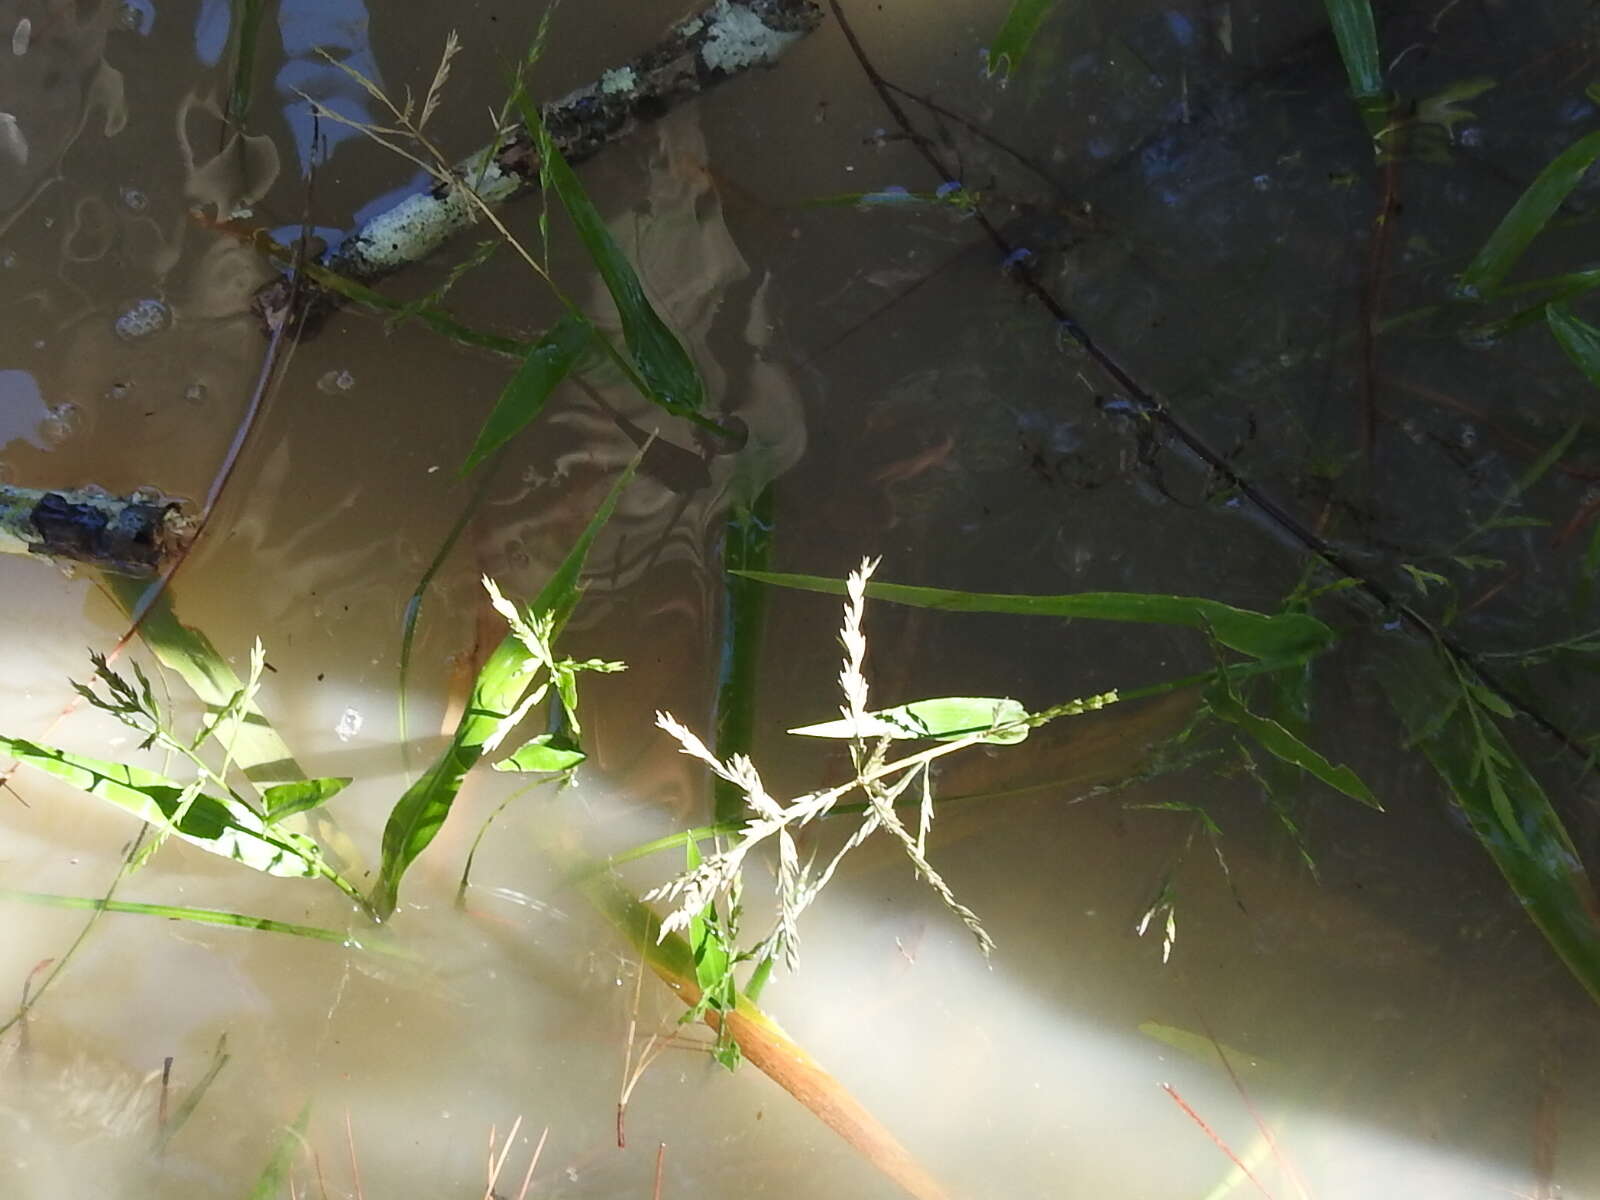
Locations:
(496, 693)
(1259, 635)
(1016, 33)
(247, 16)
(1285, 746)
(947, 718)
(270, 1184)
(1357, 35)
(1578, 338)
(186, 1109)
(188, 653)
(221, 826)
(1507, 809)
(287, 799)
(202, 916)
(1528, 217)
(662, 362)
(545, 366)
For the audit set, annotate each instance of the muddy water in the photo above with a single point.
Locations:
(1395, 1021)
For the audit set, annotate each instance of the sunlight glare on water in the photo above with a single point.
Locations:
(1393, 1025)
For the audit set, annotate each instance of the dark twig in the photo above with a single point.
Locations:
(1156, 410)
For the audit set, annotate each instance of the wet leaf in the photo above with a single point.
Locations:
(286, 799)
(1357, 35)
(1504, 804)
(1528, 217)
(1257, 634)
(1281, 744)
(948, 718)
(1004, 55)
(496, 694)
(662, 362)
(523, 399)
(547, 752)
(223, 827)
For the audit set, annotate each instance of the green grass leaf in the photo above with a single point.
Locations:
(1357, 35)
(205, 916)
(662, 362)
(274, 1176)
(945, 719)
(1528, 217)
(257, 748)
(1283, 745)
(1506, 807)
(496, 694)
(1578, 338)
(286, 799)
(547, 752)
(523, 399)
(223, 827)
(1005, 53)
(1257, 634)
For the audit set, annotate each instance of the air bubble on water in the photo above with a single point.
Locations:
(336, 381)
(350, 722)
(1261, 182)
(1465, 291)
(118, 392)
(94, 491)
(133, 199)
(195, 393)
(143, 319)
(20, 36)
(1479, 337)
(8, 260)
(60, 424)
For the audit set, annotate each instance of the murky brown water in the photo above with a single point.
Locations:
(1203, 201)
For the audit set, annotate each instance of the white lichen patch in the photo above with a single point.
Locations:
(618, 80)
(420, 224)
(739, 39)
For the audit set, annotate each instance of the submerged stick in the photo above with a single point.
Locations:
(129, 535)
(722, 40)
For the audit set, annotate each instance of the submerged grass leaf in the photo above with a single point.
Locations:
(1578, 338)
(1014, 36)
(1357, 35)
(202, 916)
(1504, 804)
(660, 357)
(1284, 745)
(524, 397)
(270, 1184)
(1528, 217)
(496, 694)
(187, 1106)
(1259, 635)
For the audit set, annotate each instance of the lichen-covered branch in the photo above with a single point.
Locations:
(721, 41)
(130, 535)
